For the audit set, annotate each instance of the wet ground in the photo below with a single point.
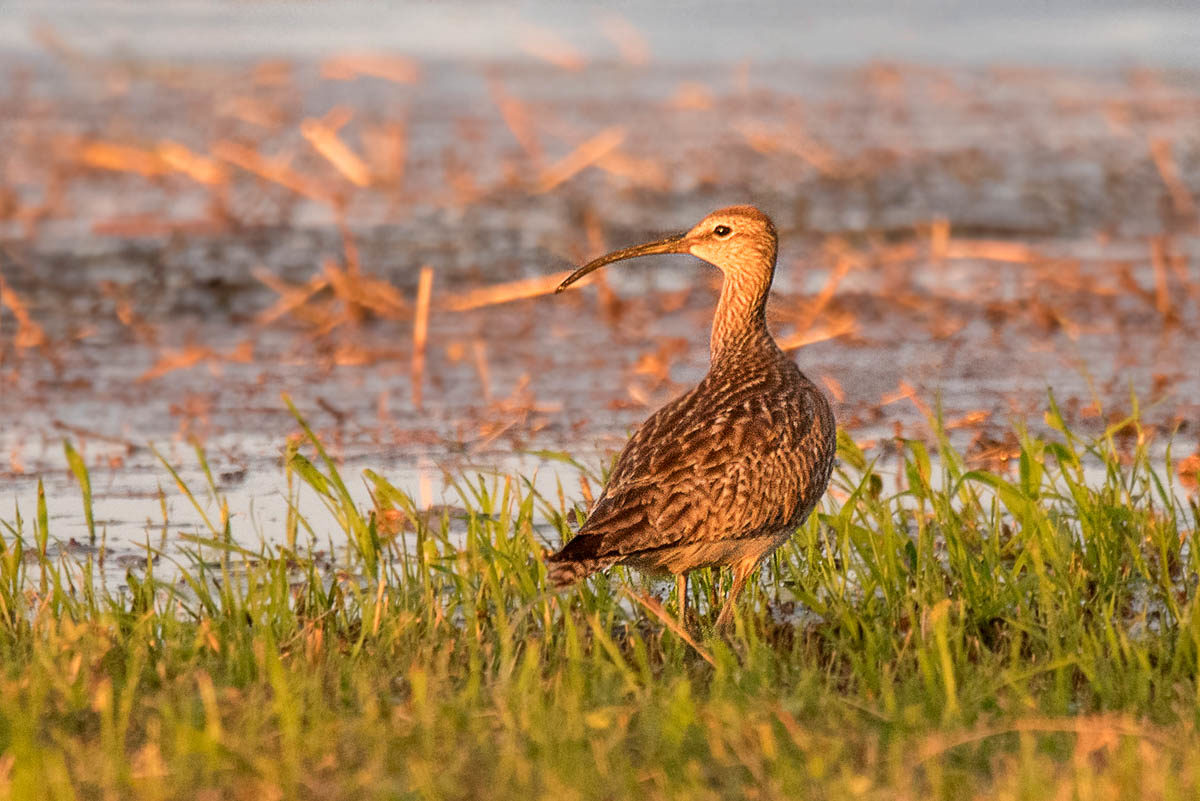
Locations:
(182, 244)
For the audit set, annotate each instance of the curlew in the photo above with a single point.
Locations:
(724, 474)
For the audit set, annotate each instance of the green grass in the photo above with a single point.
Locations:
(1025, 636)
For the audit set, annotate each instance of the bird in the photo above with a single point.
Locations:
(727, 472)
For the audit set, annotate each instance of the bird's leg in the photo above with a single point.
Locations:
(681, 592)
(740, 572)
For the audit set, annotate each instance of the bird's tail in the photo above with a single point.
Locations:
(565, 568)
(567, 572)
(582, 556)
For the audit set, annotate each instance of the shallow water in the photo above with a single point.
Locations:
(971, 234)
(1068, 32)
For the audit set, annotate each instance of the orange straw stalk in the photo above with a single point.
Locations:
(322, 134)
(421, 332)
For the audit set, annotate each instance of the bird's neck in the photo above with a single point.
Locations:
(741, 318)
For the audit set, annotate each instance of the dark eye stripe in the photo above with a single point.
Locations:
(722, 230)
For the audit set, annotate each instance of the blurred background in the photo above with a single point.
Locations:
(1068, 32)
(365, 206)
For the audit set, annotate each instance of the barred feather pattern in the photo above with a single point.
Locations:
(724, 474)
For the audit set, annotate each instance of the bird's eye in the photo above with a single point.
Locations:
(722, 231)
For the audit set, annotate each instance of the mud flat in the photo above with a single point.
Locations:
(181, 245)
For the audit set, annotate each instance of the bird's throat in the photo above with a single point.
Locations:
(741, 317)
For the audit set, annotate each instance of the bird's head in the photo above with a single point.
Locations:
(736, 239)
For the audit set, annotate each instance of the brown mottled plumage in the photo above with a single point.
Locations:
(726, 473)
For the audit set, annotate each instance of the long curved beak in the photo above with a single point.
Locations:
(670, 244)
